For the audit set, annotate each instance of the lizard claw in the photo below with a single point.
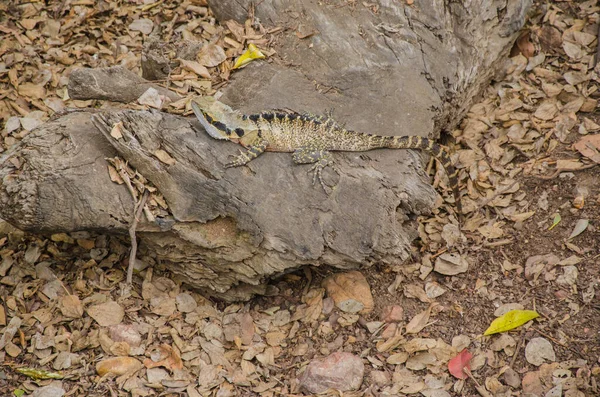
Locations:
(317, 170)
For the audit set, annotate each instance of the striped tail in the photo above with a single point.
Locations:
(431, 147)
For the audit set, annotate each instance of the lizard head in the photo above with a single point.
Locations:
(215, 117)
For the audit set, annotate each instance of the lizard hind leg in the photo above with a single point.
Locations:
(320, 158)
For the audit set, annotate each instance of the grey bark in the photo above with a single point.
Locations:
(403, 70)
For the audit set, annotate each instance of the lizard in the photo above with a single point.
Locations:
(310, 139)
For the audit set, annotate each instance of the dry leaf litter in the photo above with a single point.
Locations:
(527, 154)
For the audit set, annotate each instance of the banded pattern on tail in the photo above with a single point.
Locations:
(435, 150)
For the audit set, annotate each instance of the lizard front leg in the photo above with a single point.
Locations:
(251, 152)
(321, 158)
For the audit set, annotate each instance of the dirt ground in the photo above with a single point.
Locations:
(69, 325)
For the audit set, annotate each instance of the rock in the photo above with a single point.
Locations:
(340, 371)
(350, 292)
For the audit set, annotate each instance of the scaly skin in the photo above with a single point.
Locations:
(309, 138)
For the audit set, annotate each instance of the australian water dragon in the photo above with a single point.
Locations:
(310, 138)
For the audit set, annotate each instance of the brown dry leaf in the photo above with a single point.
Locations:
(538, 350)
(416, 291)
(35, 91)
(143, 25)
(523, 46)
(350, 291)
(195, 67)
(114, 175)
(573, 50)
(568, 164)
(164, 157)
(589, 146)
(451, 264)
(419, 321)
(211, 55)
(118, 366)
(491, 230)
(70, 306)
(547, 110)
(115, 132)
(550, 38)
(164, 356)
(106, 314)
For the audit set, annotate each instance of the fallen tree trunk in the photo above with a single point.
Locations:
(229, 230)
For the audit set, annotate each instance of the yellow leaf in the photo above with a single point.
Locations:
(510, 320)
(250, 54)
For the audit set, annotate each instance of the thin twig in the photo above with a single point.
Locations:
(559, 342)
(134, 222)
(519, 345)
(597, 48)
(499, 193)
(560, 170)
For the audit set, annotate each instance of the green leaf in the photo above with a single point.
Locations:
(19, 392)
(510, 320)
(556, 221)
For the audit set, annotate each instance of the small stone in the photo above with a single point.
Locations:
(341, 371)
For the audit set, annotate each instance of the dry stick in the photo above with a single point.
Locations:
(480, 389)
(559, 170)
(134, 222)
(499, 193)
(521, 339)
(597, 48)
(559, 342)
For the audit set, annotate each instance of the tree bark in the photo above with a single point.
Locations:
(397, 70)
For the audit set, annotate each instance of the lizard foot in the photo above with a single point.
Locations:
(239, 160)
(317, 170)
